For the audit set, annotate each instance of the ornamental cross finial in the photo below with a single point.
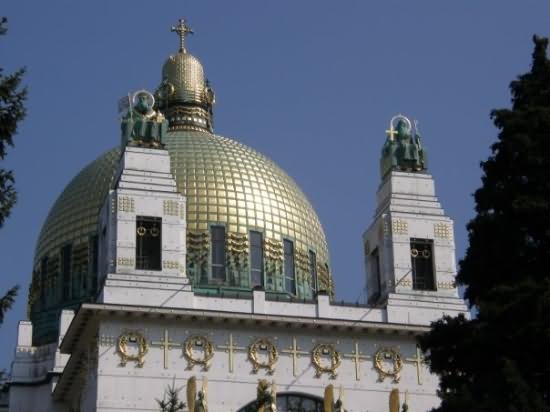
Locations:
(182, 29)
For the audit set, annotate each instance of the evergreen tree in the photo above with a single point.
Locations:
(499, 360)
(12, 111)
(171, 401)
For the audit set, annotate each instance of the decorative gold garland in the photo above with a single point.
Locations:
(122, 348)
(272, 355)
(335, 359)
(208, 349)
(395, 357)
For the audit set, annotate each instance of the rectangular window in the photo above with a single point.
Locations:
(313, 272)
(148, 243)
(375, 281)
(43, 279)
(93, 251)
(218, 253)
(290, 280)
(66, 252)
(422, 264)
(256, 259)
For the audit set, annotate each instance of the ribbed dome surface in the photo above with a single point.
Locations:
(186, 74)
(224, 181)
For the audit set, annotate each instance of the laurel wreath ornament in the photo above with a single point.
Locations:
(208, 352)
(385, 354)
(263, 344)
(316, 358)
(123, 352)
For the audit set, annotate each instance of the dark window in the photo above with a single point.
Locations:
(43, 279)
(94, 249)
(289, 402)
(290, 280)
(218, 253)
(313, 271)
(422, 264)
(376, 283)
(148, 243)
(256, 259)
(66, 252)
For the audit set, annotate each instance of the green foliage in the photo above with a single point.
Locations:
(12, 111)
(171, 401)
(6, 301)
(498, 361)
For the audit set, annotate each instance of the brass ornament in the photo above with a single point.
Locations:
(125, 204)
(141, 231)
(400, 227)
(123, 352)
(316, 358)
(207, 347)
(446, 285)
(393, 355)
(263, 344)
(442, 230)
(155, 231)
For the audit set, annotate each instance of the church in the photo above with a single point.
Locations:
(184, 260)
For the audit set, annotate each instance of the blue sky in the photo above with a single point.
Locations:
(311, 84)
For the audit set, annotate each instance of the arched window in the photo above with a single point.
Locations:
(292, 402)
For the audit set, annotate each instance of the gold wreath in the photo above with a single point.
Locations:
(122, 348)
(188, 352)
(335, 359)
(414, 252)
(141, 231)
(388, 353)
(272, 355)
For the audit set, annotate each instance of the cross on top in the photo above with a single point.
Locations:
(182, 29)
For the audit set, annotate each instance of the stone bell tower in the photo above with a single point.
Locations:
(409, 247)
(142, 222)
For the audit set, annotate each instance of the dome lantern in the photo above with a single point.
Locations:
(184, 95)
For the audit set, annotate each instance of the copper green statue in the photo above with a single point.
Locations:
(403, 149)
(143, 126)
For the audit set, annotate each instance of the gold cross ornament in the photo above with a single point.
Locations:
(182, 29)
(418, 360)
(295, 352)
(391, 133)
(357, 357)
(166, 344)
(230, 348)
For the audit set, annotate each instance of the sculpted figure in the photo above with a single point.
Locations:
(403, 149)
(143, 126)
(266, 401)
(197, 402)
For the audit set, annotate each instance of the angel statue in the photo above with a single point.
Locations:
(143, 126)
(266, 401)
(328, 401)
(197, 402)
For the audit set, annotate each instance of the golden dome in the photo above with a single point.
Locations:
(184, 95)
(224, 181)
(185, 74)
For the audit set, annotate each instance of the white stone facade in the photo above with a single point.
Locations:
(87, 370)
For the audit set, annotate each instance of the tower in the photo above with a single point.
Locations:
(142, 223)
(409, 246)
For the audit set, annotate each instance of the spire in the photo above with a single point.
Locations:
(182, 29)
(185, 96)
